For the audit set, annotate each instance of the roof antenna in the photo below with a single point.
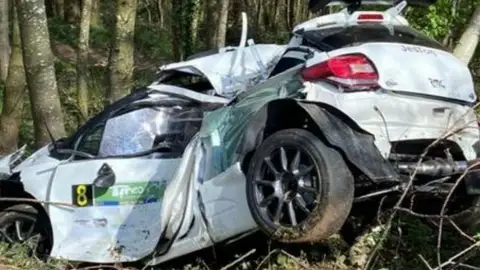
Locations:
(54, 144)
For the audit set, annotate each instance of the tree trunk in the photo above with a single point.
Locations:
(183, 12)
(258, 16)
(222, 23)
(60, 8)
(177, 30)
(96, 13)
(469, 39)
(121, 59)
(194, 20)
(82, 60)
(40, 72)
(4, 40)
(72, 11)
(274, 21)
(299, 12)
(211, 19)
(161, 16)
(11, 116)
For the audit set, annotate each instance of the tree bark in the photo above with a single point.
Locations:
(40, 73)
(274, 21)
(121, 59)
(4, 40)
(11, 116)
(468, 42)
(194, 19)
(177, 30)
(72, 11)
(60, 8)
(96, 13)
(161, 16)
(211, 19)
(183, 12)
(82, 60)
(222, 23)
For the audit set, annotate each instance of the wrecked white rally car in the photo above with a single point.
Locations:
(285, 139)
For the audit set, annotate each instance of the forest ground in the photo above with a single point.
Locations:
(408, 239)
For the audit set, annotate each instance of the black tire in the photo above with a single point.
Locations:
(331, 188)
(29, 216)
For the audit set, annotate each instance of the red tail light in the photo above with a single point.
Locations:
(352, 71)
(369, 18)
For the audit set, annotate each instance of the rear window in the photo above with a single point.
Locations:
(339, 37)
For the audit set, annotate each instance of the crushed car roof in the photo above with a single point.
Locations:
(232, 68)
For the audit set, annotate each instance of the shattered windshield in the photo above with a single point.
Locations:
(143, 129)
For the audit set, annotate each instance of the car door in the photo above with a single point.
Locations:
(120, 216)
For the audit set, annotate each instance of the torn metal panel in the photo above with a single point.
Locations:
(225, 127)
(227, 78)
(106, 219)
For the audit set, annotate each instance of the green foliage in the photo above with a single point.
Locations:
(19, 256)
(410, 238)
(153, 41)
(100, 37)
(62, 32)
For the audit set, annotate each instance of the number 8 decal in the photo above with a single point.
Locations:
(82, 198)
(82, 195)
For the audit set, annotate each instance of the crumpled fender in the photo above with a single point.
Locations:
(337, 129)
(7, 161)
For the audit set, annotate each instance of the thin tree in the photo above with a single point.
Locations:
(60, 8)
(11, 116)
(96, 14)
(211, 19)
(121, 59)
(222, 22)
(72, 11)
(195, 8)
(4, 40)
(468, 42)
(82, 60)
(40, 72)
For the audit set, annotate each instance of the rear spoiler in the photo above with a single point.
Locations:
(317, 5)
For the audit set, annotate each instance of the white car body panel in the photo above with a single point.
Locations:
(390, 117)
(408, 68)
(77, 231)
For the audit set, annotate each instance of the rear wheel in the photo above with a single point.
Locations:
(298, 188)
(21, 224)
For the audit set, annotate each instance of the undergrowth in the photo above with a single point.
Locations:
(409, 238)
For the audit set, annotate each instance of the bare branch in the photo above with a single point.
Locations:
(458, 255)
(444, 207)
(230, 265)
(447, 134)
(425, 262)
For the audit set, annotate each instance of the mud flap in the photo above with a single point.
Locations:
(357, 145)
(339, 131)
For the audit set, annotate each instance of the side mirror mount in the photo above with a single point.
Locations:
(105, 177)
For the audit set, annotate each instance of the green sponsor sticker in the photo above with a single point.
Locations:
(129, 193)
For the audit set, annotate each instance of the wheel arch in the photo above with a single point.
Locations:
(12, 188)
(334, 127)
